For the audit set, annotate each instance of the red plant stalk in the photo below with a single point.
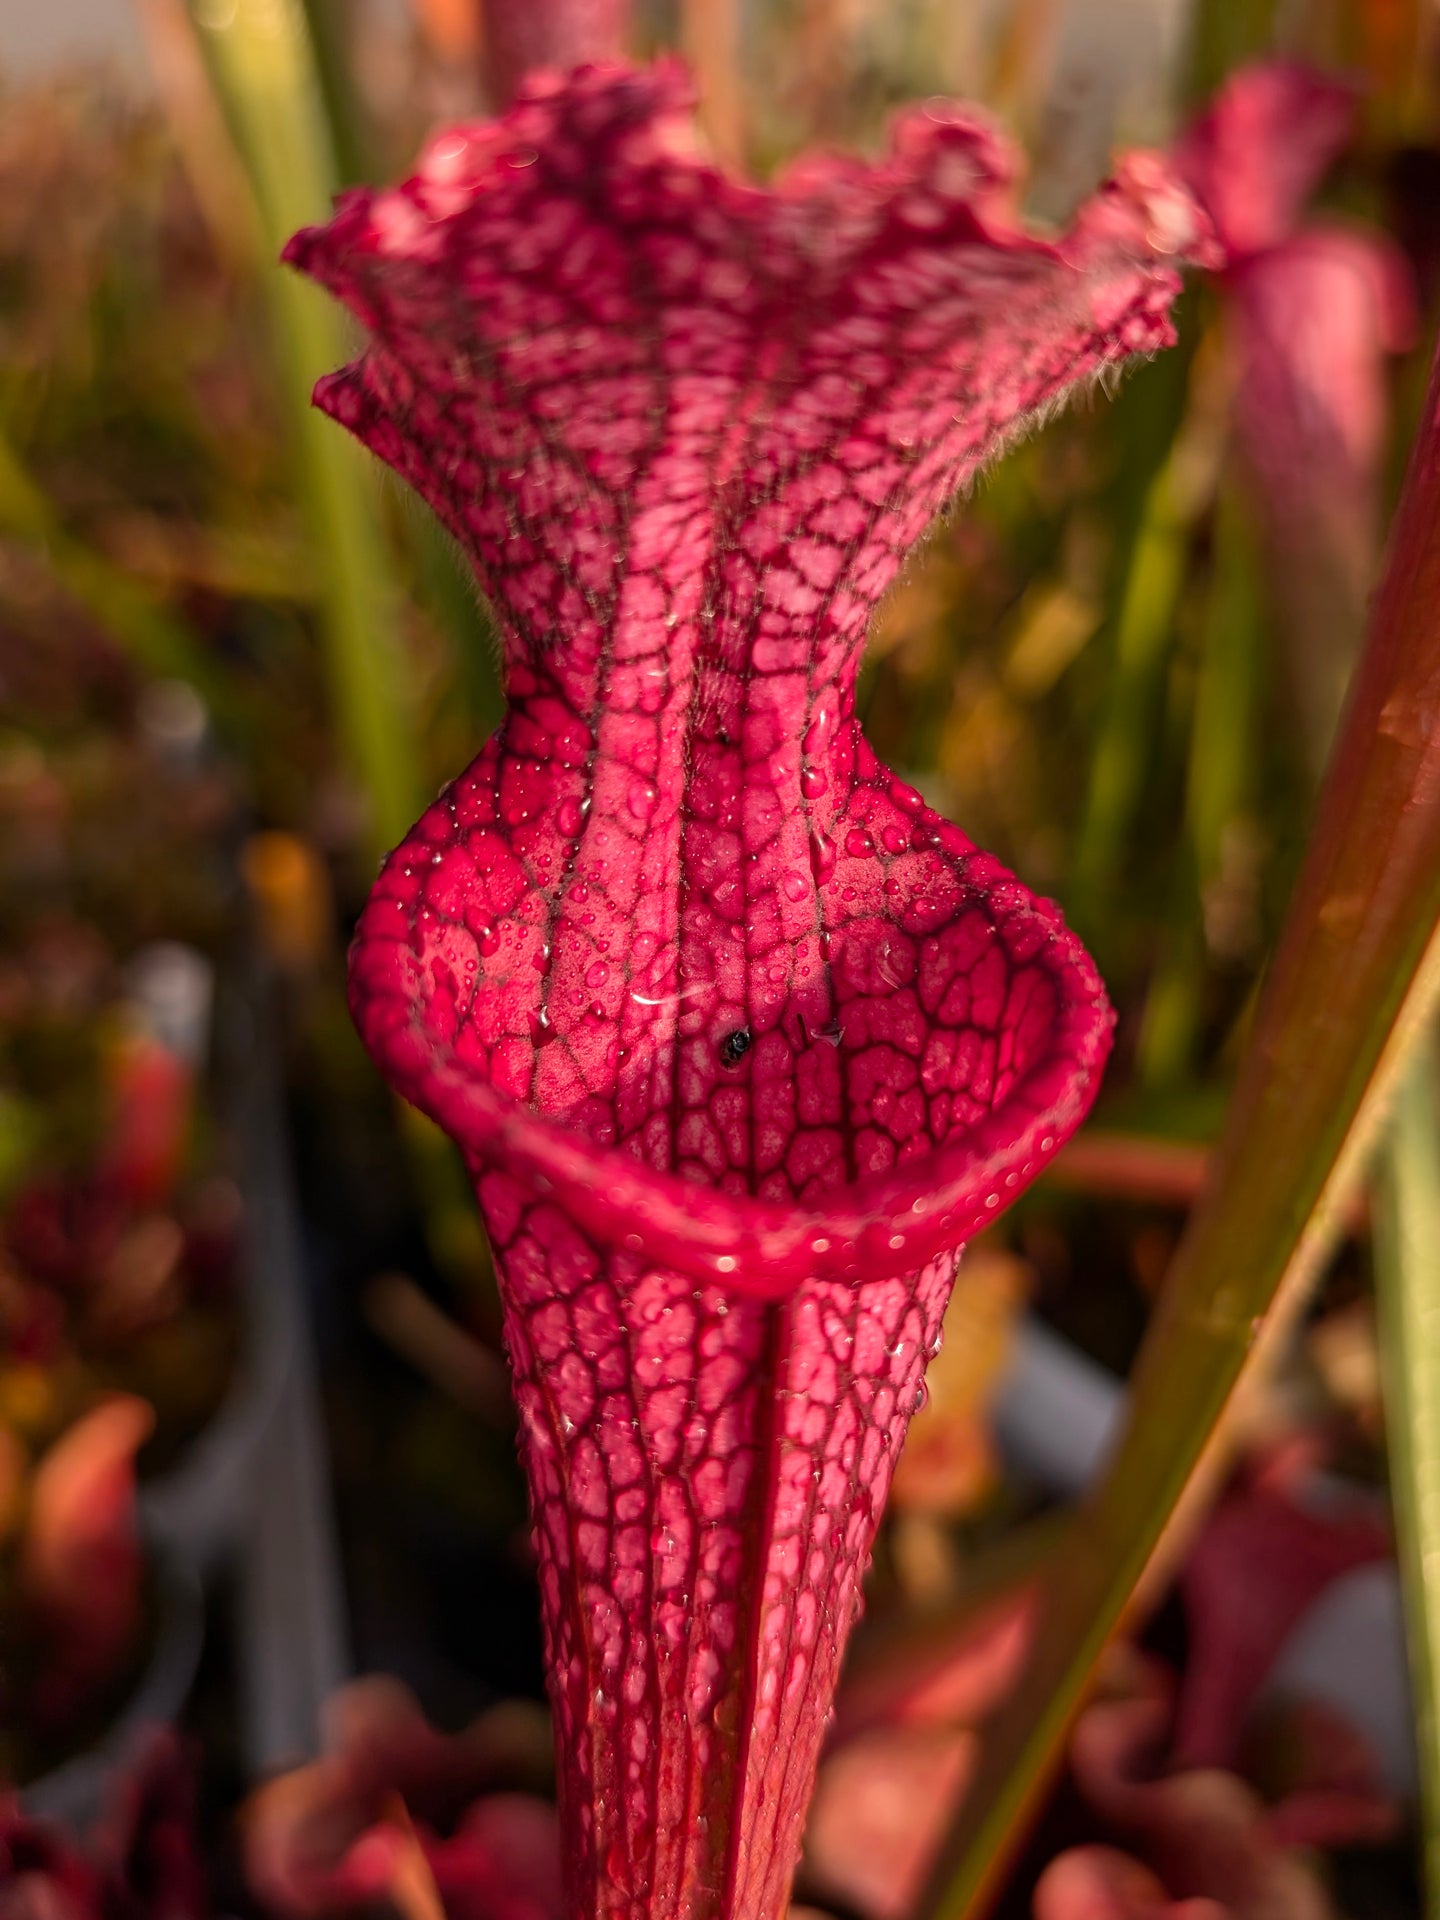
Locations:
(521, 35)
(740, 1039)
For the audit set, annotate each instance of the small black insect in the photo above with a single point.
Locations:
(735, 1046)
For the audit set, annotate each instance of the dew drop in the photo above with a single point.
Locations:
(568, 817)
(813, 783)
(598, 975)
(641, 799)
(922, 1395)
(822, 854)
(858, 843)
(795, 886)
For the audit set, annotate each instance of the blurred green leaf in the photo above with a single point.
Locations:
(261, 56)
(1224, 34)
(1154, 577)
(1407, 1288)
(21, 1133)
(1221, 779)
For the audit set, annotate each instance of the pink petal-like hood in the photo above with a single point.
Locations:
(1313, 308)
(740, 1039)
(1261, 148)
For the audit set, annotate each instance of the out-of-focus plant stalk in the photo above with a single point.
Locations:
(1022, 66)
(520, 35)
(1355, 979)
(205, 149)
(261, 57)
(710, 36)
(1149, 598)
(1407, 1285)
(1217, 787)
(1219, 775)
(1224, 34)
(260, 54)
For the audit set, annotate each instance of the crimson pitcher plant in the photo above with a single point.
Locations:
(740, 1040)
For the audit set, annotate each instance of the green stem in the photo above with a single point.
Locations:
(1356, 974)
(1150, 594)
(1219, 783)
(264, 66)
(1407, 1286)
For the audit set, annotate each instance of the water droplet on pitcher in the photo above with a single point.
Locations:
(822, 855)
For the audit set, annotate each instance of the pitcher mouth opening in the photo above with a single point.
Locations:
(867, 1229)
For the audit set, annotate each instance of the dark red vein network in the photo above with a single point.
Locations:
(722, 1014)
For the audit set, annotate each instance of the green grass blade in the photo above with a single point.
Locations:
(1407, 1284)
(1356, 977)
(1221, 773)
(1144, 625)
(1220, 779)
(264, 67)
(1149, 598)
